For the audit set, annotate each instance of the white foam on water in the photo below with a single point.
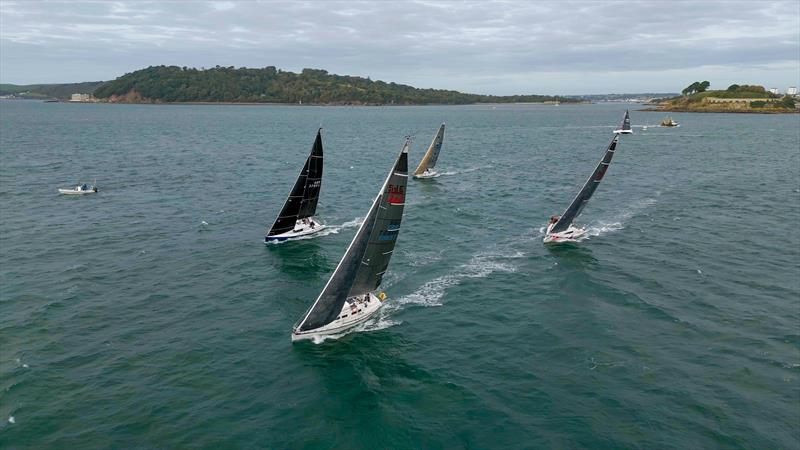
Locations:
(203, 223)
(431, 293)
(11, 419)
(600, 227)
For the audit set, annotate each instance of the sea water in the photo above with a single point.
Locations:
(151, 314)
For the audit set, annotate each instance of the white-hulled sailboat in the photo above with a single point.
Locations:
(296, 218)
(348, 298)
(560, 228)
(625, 128)
(426, 166)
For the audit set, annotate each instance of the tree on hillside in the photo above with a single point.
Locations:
(697, 86)
(733, 88)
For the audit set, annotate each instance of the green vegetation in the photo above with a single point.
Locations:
(41, 91)
(270, 85)
(697, 98)
(697, 86)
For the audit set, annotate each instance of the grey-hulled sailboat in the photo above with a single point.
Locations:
(625, 127)
(348, 298)
(560, 228)
(428, 162)
(296, 218)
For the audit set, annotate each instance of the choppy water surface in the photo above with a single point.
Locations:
(151, 315)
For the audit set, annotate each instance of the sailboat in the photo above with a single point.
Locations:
(560, 228)
(426, 166)
(348, 298)
(625, 128)
(297, 215)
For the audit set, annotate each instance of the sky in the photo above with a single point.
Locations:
(487, 47)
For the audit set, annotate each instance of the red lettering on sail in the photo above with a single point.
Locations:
(601, 173)
(396, 194)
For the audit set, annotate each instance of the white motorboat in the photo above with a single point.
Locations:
(81, 189)
(296, 218)
(348, 298)
(425, 169)
(560, 228)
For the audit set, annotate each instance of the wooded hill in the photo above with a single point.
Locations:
(166, 84)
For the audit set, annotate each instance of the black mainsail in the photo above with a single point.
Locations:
(626, 122)
(302, 200)
(588, 189)
(362, 267)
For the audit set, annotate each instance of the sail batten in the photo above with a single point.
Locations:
(588, 189)
(361, 269)
(431, 156)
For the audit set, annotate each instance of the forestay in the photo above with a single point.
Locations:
(361, 269)
(575, 208)
(302, 200)
(432, 155)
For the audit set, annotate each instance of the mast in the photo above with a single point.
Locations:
(363, 264)
(293, 204)
(432, 155)
(586, 192)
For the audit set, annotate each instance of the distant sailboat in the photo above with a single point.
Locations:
(426, 166)
(297, 215)
(348, 298)
(625, 128)
(560, 228)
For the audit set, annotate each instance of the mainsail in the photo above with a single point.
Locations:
(432, 155)
(588, 189)
(361, 269)
(302, 200)
(626, 122)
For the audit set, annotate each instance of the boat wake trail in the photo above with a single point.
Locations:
(431, 293)
(461, 172)
(602, 227)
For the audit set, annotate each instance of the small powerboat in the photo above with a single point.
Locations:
(81, 189)
(668, 122)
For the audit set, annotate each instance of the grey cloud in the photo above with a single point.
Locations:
(468, 46)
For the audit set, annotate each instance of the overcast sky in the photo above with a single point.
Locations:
(503, 47)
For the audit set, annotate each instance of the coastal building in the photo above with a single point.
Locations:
(81, 98)
(774, 91)
(791, 91)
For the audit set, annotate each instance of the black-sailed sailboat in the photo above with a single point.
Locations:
(560, 228)
(625, 127)
(296, 218)
(349, 298)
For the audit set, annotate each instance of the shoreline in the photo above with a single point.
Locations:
(721, 111)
